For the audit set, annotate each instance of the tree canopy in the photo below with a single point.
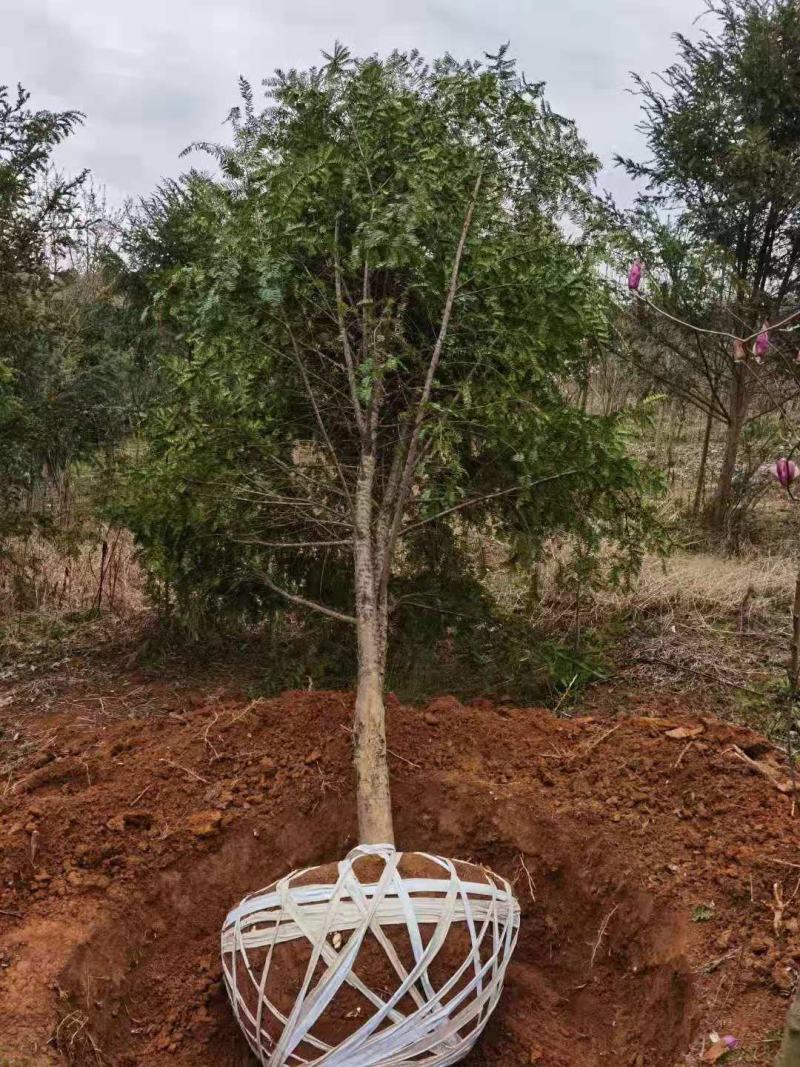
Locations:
(303, 293)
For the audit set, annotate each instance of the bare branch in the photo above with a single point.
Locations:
(482, 500)
(318, 416)
(413, 444)
(293, 544)
(348, 352)
(715, 333)
(302, 602)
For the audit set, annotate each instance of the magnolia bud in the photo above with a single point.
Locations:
(785, 470)
(739, 352)
(762, 344)
(635, 275)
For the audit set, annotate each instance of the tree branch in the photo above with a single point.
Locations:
(318, 416)
(293, 544)
(413, 444)
(715, 333)
(348, 352)
(302, 602)
(483, 499)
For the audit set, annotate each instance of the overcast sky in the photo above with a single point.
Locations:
(153, 75)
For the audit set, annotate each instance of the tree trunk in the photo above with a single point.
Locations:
(789, 1055)
(701, 475)
(369, 727)
(723, 497)
(372, 768)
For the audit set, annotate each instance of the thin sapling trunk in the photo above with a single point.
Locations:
(369, 728)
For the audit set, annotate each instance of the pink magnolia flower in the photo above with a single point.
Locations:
(739, 353)
(797, 356)
(785, 470)
(731, 1041)
(635, 275)
(762, 344)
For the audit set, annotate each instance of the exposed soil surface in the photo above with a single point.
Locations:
(658, 875)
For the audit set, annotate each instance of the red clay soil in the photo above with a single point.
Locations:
(658, 875)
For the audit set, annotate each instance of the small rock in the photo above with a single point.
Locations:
(431, 719)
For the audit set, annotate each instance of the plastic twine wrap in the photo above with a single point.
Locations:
(418, 1022)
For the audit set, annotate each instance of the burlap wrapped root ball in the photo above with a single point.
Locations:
(384, 958)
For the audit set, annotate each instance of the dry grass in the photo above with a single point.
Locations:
(695, 622)
(50, 577)
(709, 584)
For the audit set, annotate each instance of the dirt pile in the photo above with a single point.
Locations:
(654, 867)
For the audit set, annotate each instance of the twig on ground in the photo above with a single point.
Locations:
(243, 712)
(781, 863)
(139, 796)
(528, 876)
(684, 750)
(186, 770)
(598, 740)
(770, 773)
(564, 695)
(601, 934)
(206, 738)
(709, 968)
(777, 906)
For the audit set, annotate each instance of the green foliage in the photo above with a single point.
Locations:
(703, 913)
(723, 140)
(718, 222)
(333, 226)
(69, 378)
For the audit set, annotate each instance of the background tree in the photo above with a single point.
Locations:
(75, 375)
(724, 142)
(371, 318)
(678, 340)
(38, 220)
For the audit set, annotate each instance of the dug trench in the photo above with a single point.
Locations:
(648, 857)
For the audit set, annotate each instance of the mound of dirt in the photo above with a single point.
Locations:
(655, 866)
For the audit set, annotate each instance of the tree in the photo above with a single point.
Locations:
(724, 142)
(678, 339)
(370, 319)
(39, 218)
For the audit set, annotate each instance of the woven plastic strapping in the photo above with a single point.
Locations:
(445, 1022)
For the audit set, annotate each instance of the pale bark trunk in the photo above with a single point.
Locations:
(789, 1055)
(372, 769)
(723, 497)
(369, 728)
